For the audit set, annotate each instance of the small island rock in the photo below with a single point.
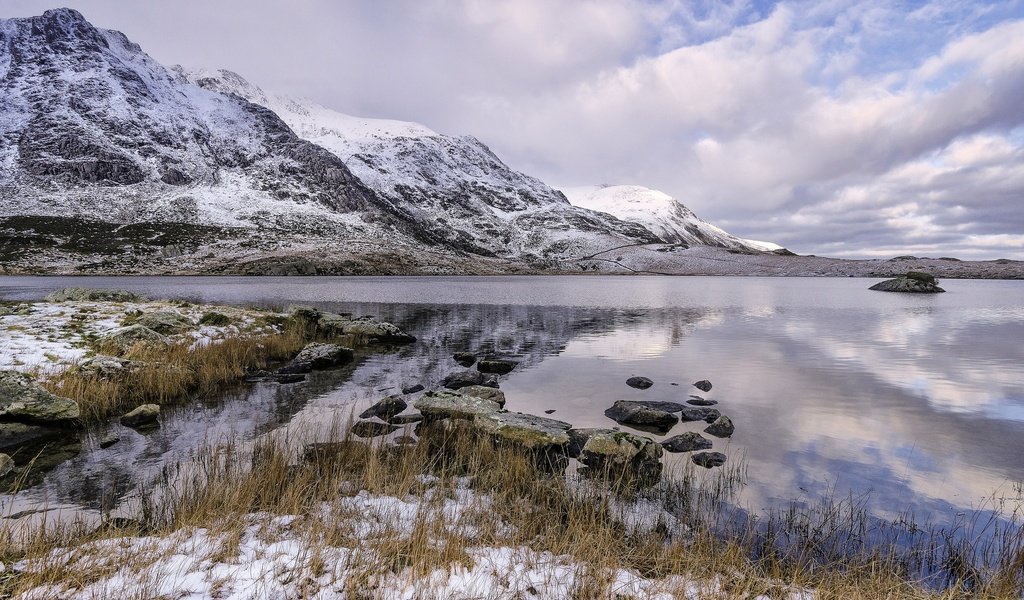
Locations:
(722, 427)
(640, 383)
(914, 282)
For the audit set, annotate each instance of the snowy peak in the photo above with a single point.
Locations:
(662, 214)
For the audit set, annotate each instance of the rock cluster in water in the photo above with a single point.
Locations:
(914, 282)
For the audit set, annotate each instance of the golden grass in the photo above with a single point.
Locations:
(529, 506)
(178, 373)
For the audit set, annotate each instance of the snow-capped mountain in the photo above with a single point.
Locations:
(660, 213)
(455, 186)
(111, 162)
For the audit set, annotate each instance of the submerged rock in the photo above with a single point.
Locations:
(466, 359)
(686, 442)
(638, 414)
(640, 383)
(914, 282)
(125, 338)
(500, 367)
(317, 355)
(622, 456)
(386, 408)
(368, 429)
(708, 459)
(93, 295)
(482, 391)
(698, 413)
(286, 377)
(142, 417)
(24, 400)
(701, 401)
(412, 389)
(165, 322)
(462, 379)
(441, 405)
(722, 427)
(529, 431)
(703, 385)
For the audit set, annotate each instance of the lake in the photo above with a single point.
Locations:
(915, 402)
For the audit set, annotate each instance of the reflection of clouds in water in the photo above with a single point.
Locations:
(645, 340)
(928, 353)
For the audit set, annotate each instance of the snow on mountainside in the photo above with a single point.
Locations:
(455, 186)
(94, 127)
(662, 214)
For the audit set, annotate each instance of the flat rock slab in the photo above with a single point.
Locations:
(369, 429)
(721, 427)
(703, 385)
(386, 408)
(442, 405)
(686, 442)
(701, 401)
(495, 366)
(669, 407)
(461, 379)
(529, 431)
(698, 413)
(22, 399)
(708, 459)
(633, 413)
(487, 393)
(640, 383)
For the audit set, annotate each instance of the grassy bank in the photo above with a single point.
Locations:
(175, 373)
(347, 519)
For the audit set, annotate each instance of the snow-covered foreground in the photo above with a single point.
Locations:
(48, 337)
(347, 551)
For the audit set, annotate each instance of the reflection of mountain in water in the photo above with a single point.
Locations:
(101, 478)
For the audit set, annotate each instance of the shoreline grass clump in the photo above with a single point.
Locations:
(362, 517)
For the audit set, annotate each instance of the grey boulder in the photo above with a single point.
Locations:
(24, 400)
(914, 282)
(142, 417)
(721, 427)
(636, 414)
(386, 408)
(686, 442)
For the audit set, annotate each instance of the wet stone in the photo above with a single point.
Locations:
(386, 408)
(640, 383)
(686, 442)
(698, 413)
(487, 393)
(703, 385)
(708, 459)
(465, 359)
(721, 427)
(637, 414)
(405, 419)
(368, 429)
(412, 389)
(701, 401)
(462, 379)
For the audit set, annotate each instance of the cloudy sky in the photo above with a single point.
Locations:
(836, 127)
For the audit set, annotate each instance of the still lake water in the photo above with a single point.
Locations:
(916, 401)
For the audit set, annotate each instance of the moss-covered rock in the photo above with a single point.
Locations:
(124, 339)
(24, 400)
(528, 431)
(442, 405)
(142, 417)
(166, 322)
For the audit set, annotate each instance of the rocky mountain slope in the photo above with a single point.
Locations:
(110, 162)
(660, 213)
(454, 186)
